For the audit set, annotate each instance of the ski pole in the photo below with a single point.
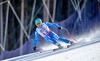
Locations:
(70, 34)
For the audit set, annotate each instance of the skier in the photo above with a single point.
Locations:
(43, 30)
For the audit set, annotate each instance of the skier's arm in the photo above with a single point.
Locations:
(53, 25)
(36, 38)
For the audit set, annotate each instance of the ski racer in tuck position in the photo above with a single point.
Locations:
(43, 30)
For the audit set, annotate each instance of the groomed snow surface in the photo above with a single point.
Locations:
(86, 53)
(87, 50)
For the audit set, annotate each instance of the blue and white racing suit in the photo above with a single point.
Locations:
(48, 34)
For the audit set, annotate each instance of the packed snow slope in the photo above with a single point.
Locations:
(86, 49)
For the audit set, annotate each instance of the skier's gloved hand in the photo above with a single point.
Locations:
(34, 48)
(60, 27)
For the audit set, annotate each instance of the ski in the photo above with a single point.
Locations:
(57, 49)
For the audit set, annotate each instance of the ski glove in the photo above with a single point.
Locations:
(34, 48)
(60, 27)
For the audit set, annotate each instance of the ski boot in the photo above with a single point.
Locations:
(59, 47)
(71, 43)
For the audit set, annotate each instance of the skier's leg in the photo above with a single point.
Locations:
(49, 39)
(66, 41)
(63, 40)
(56, 43)
(56, 37)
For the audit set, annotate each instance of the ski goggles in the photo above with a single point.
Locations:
(38, 24)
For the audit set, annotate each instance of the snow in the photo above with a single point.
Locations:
(87, 53)
(80, 52)
(88, 49)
